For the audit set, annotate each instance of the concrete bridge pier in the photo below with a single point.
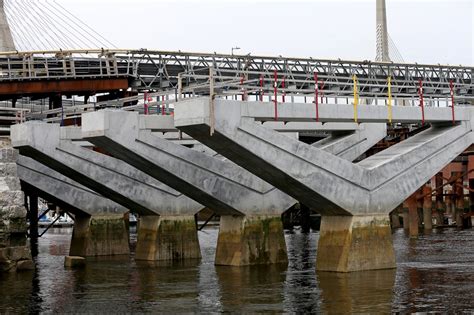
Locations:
(167, 238)
(166, 229)
(355, 198)
(99, 235)
(251, 230)
(99, 225)
(352, 243)
(250, 240)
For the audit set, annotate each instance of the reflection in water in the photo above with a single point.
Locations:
(357, 292)
(251, 288)
(435, 273)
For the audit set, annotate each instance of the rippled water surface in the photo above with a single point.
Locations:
(435, 273)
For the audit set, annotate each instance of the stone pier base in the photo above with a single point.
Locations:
(15, 254)
(167, 238)
(355, 243)
(99, 236)
(250, 240)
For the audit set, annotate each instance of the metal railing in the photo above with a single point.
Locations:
(158, 70)
(286, 87)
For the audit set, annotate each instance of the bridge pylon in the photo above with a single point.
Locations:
(6, 38)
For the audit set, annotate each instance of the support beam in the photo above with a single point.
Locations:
(99, 225)
(115, 179)
(372, 187)
(214, 182)
(427, 208)
(33, 214)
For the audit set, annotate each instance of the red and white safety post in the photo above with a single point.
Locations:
(316, 92)
(451, 87)
(422, 104)
(275, 90)
(145, 102)
(261, 88)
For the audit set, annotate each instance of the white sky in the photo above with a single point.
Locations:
(424, 31)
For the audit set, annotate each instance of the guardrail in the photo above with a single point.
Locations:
(288, 87)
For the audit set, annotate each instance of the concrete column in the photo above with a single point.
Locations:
(395, 218)
(459, 202)
(405, 216)
(33, 214)
(355, 243)
(169, 238)
(427, 208)
(250, 240)
(99, 236)
(413, 221)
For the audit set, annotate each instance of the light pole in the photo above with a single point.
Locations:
(234, 48)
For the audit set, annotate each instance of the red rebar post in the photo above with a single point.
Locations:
(316, 91)
(420, 92)
(275, 87)
(451, 87)
(145, 104)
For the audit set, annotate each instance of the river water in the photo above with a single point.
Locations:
(434, 273)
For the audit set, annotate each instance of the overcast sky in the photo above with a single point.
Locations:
(424, 31)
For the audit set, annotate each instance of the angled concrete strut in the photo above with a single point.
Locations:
(109, 176)
(77, 198)
(354, 199)
(315, 176)
(250, 207)
(219, 184)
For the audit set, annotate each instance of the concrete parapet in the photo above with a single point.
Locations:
(355, 243)
(250, 240)
(99, 236)
(171, 238)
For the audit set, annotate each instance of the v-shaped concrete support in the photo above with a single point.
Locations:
(216, 183)
(162, 208)
(99, 227)
(358, 196)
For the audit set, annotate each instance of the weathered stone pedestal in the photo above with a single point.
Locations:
(167, 238)
(250, 240)
(99, 236)
(355, 243)
(15, 254)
